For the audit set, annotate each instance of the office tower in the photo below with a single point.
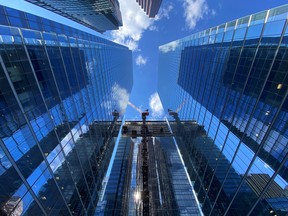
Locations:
(151, 7)
(62, 92)
(231, 80)
(100, 15)
(148, 176)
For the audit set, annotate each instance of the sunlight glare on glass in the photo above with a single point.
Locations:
(137, 196)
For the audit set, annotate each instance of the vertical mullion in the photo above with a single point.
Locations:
(48, 111)
(274, 118)
(81, 96)
(73, 101)
(278, 169)
(210, 95)
(65, 114)
(31, 130)
(227, 135)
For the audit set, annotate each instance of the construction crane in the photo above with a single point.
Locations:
(142, 192)
(144, 166)
(116, 114)
(175, 113)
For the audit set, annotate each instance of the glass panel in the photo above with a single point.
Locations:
(279, 13)
(258, 18)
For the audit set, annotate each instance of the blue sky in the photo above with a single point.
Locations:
(143, 35)
(176, 19)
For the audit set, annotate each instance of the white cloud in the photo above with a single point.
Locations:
(169, 47)
(153, 28)
(164, 12)
(140, 60)
(155, 105)
(107, 105)
(120, 96)
(135, 22)
(213, 12)
(119, 99)
(194, 10)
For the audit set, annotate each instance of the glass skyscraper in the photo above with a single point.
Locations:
(169, 189)
(100, 15)
(61, 93)
(232, 81)
(151, 7)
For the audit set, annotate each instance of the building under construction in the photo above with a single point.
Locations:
(158, 169)
(148, 176)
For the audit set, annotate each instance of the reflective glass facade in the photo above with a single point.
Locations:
(117, 191)
(100, 15)
(232, 81)
(59, 88)
(169, 189)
